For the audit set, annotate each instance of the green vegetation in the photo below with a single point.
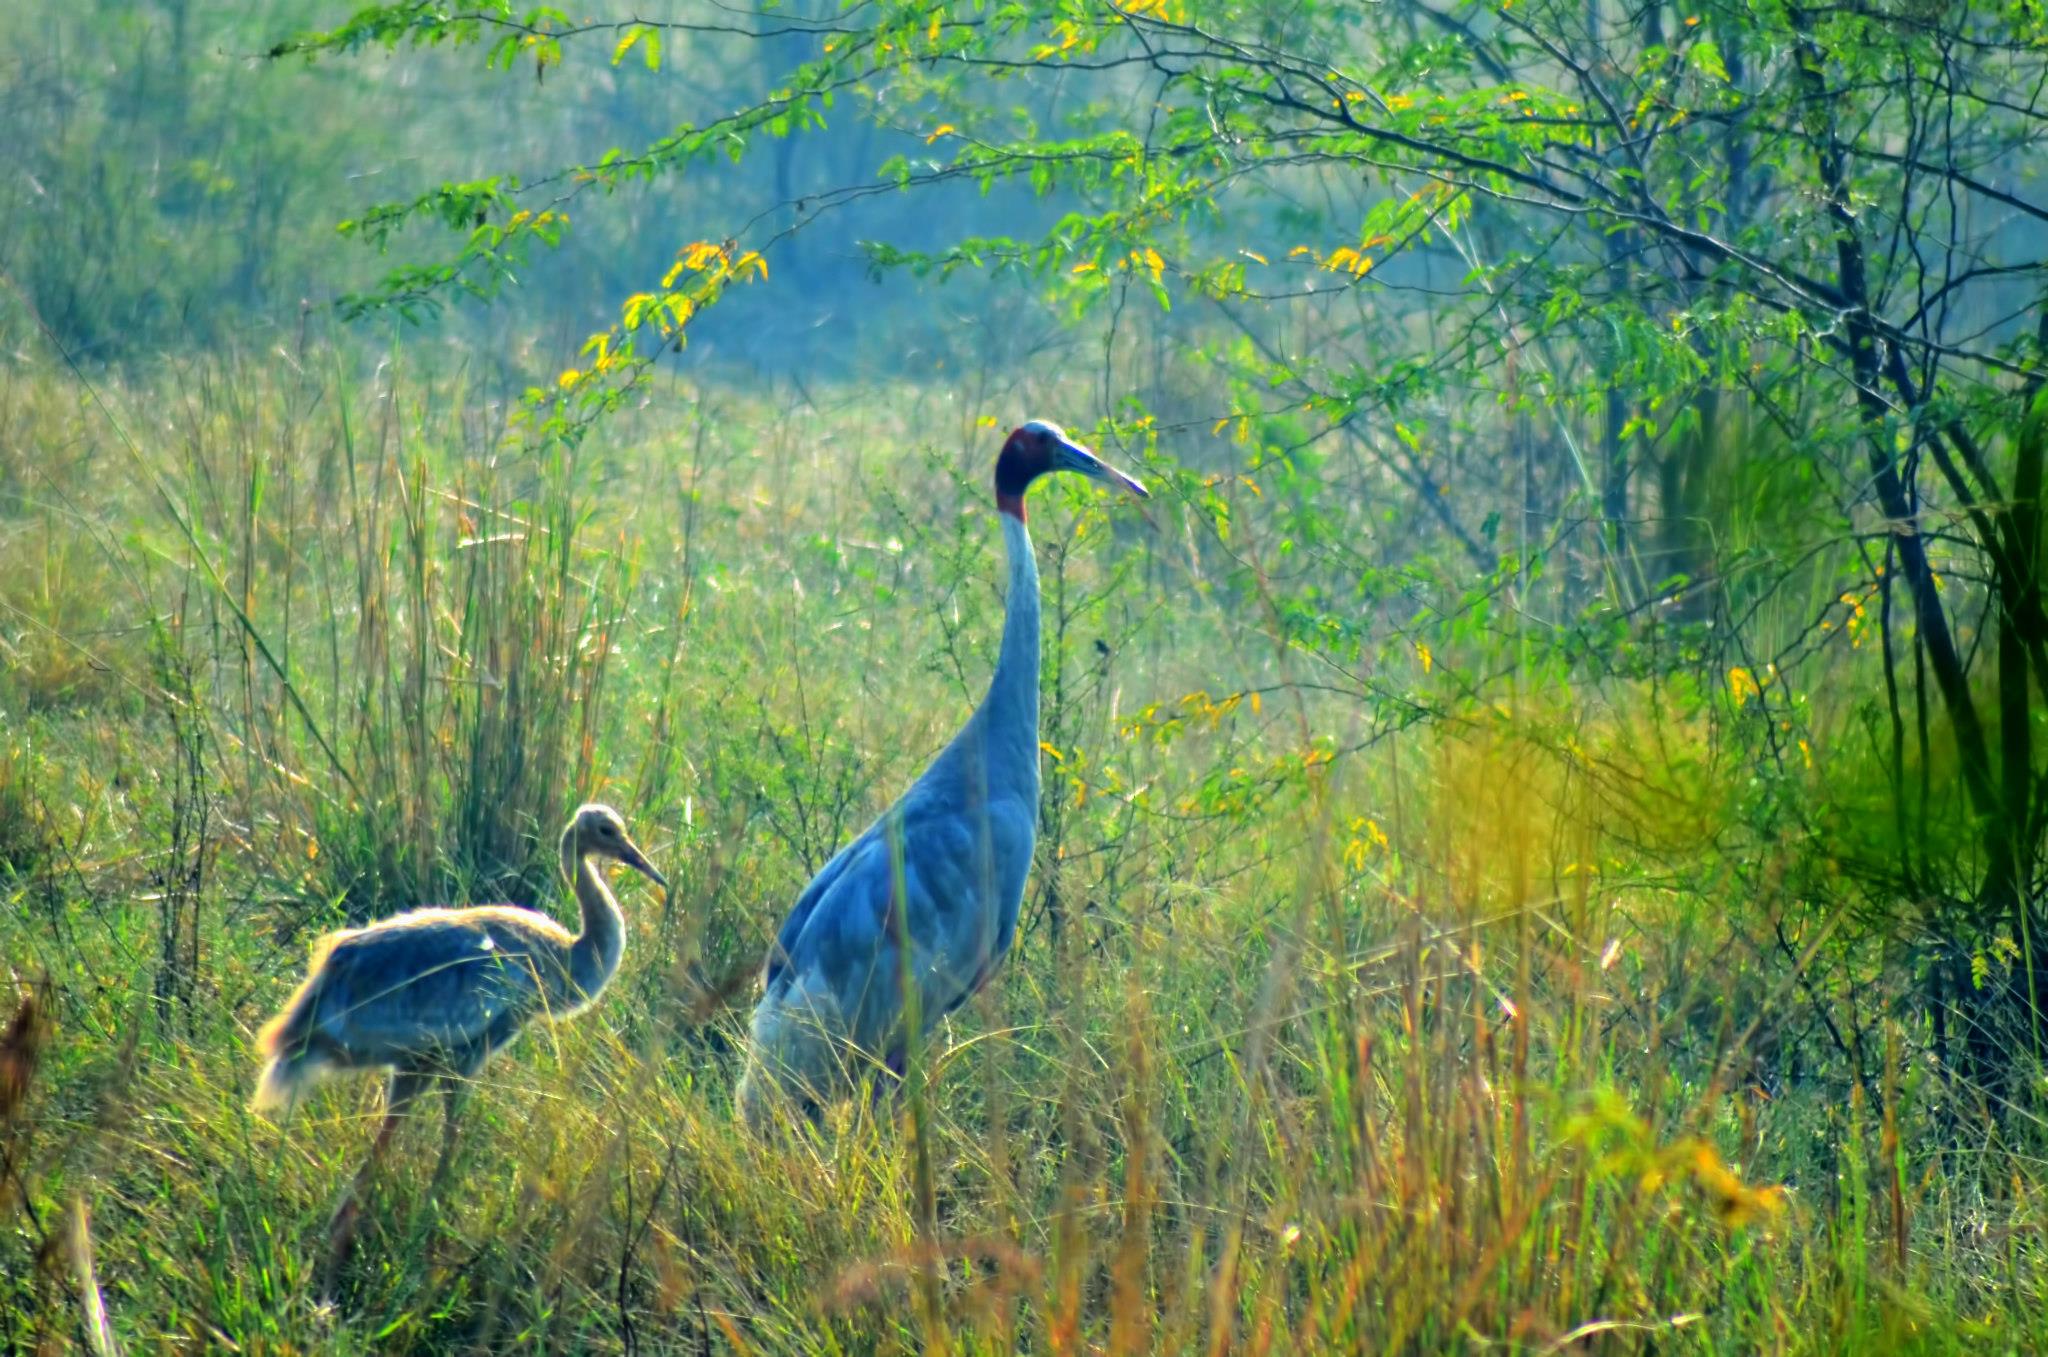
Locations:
(1544, 809)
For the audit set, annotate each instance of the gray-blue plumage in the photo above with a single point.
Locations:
(943, 869)
(431, 993)
(428, 995)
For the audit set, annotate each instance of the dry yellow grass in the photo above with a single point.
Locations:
(1328, 1031)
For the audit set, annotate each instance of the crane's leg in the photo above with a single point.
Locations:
(454, 1091)
(885, 1080)
(405, 1086)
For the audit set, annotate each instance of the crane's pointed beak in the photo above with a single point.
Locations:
(633, 858)
(1071, 456)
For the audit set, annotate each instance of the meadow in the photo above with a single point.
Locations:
(1544, 808)
(1327, 1030)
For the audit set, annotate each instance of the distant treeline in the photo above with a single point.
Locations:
(166, 183)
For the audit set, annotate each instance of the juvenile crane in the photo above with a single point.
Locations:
(428, 995)
(943, 868)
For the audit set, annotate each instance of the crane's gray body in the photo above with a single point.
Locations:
(943, 869)
(923, 905)
(431, 993)
(434, 990)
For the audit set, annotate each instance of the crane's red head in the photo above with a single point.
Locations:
(1041, 446)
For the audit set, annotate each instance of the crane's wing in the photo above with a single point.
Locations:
(960, 879)
(800, 913)
(453, 989)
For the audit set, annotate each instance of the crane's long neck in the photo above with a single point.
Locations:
(594, 956)
(1010, 711)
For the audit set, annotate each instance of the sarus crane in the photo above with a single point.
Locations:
(428, 995)
(942, 870)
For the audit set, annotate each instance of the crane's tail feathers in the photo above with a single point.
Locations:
(278, 1035)
(796, 1051)
(278, 1087)
(284, 1042)
(286, 1077)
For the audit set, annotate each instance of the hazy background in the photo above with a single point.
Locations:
(1510, 873)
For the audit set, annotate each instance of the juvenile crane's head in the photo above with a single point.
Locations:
(1041, 446)
(600, 832)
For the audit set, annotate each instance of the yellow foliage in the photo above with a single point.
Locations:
(1735, 1202)
(1345, 259)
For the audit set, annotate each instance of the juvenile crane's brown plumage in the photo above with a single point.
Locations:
(429, 995)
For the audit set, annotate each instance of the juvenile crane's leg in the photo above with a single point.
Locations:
(405, 1086)
(453, 1089)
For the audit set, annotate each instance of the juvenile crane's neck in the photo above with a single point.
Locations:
(594, 956)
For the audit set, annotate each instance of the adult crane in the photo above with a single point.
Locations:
(942, 870)
(428, 995)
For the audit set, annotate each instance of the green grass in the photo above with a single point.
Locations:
(1329, 1029)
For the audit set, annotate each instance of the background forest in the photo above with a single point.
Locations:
(1543, 821)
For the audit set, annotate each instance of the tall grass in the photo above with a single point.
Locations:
(1328, 1030)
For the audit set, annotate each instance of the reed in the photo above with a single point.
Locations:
(1499, 1032)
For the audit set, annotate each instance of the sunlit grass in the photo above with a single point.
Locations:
(1325, 1033)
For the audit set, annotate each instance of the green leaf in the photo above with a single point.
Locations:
(1706, 59)
(644, 36)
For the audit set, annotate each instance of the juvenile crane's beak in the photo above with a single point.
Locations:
(635, 859)
(1071, 456)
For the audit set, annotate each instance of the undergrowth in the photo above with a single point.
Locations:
(1454, 1020)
